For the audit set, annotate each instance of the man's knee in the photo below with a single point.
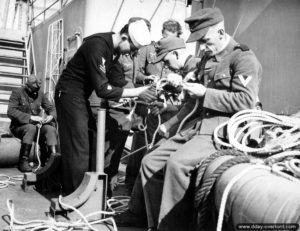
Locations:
(30, 130)
(49, 129)
(146, 162)
(173, 164)
(50, 134)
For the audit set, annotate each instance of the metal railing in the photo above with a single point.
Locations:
(31, 5)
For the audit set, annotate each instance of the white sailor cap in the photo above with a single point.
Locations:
(139, 33)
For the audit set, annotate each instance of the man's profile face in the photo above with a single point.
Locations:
(126, 45)
(211, 41)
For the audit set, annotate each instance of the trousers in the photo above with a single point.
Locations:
(27, 134)
(162, 188)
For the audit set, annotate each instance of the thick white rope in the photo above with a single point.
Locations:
(9, 180)
(242, 121)
(37, 147)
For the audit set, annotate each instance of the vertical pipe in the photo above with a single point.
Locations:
(100, 140)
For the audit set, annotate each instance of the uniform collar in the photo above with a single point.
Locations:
(227, 49)
(106, 36)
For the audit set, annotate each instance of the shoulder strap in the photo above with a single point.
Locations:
(242, 48)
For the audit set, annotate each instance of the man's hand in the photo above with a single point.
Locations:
(148, 95)
(190, 77)
(150, 79)
(195, 90)
(37, 119)
(163, 131)
(48, 119)
(158, 108)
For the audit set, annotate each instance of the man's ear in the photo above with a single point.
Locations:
(221, 32)
(176, 53)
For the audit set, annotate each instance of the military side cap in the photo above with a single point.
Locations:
(200, 21)
(165, 45)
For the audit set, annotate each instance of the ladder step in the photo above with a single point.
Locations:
(8, 74)
(12, 65)
(12, 42)
(12, 57)
(9, 87)
(3, 108)
(12, 48)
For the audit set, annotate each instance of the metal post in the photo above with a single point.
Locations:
(100, 140)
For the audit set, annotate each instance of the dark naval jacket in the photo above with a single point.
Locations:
(22, 105)
(89, 68)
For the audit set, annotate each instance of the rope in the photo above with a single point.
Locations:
(117, 16)
(37, 147)
(118, 204)
(204, 164)
(9, 180)
(152, 16)
(188, 116)
(155, 133)
(51, 224)
(285, 133)
(203, 189)
(228, 188)
(201, 198)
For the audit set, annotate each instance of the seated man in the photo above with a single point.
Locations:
(227, 81)
(24, 110)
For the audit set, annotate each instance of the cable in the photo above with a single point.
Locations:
(152, 16)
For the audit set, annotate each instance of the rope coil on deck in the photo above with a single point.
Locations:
(284, 132)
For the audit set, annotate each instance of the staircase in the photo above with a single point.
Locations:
(13, 73)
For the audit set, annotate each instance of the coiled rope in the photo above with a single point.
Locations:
(242, 124)
(202, 195)
(203, 189)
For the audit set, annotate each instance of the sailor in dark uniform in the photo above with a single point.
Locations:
(89, 70)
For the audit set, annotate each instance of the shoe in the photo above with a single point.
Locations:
(129, 219)
(23, 164)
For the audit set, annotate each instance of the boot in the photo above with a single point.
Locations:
(45, 156)
(23, 165)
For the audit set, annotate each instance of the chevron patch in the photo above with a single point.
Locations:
(245, 79)
(102, 65)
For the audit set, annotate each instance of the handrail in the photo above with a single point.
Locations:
(44, 11)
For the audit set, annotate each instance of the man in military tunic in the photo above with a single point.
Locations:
(24, 110)
(227, 82)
